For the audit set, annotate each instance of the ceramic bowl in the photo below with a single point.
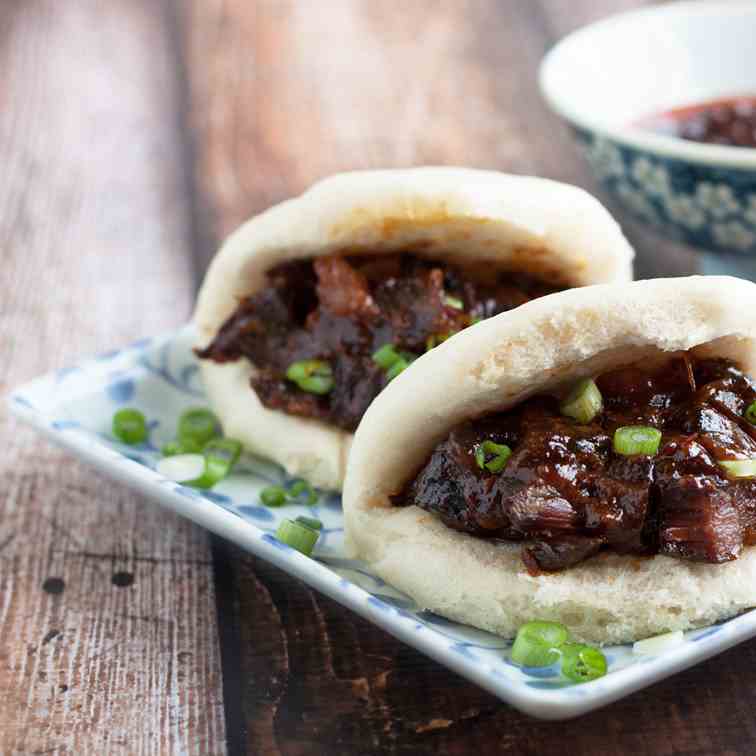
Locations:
(605, 78)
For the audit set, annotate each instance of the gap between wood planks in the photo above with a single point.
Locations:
(108, 641)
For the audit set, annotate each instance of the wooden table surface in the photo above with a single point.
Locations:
(134, 134)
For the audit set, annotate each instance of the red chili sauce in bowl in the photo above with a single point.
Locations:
(730, 121)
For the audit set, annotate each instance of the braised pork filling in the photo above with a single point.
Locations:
(637, 461)
(327, 335)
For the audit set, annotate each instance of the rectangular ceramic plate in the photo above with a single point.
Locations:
(75, 407)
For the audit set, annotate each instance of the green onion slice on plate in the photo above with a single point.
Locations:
(537, 643)
(658, 643)
(130, 426)
(584, 402)
(197, 426)
(182, 468)
(223, 453)
(297, 535)
(172, 448)
(273, 496)
(582, 663)
(313, 376)
(636, 439)
(300, 487)
(187, 446)
(491, 456)
(310, 522)
(220, 455)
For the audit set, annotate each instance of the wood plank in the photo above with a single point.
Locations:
(320, 679)
(283, 93)
(108, 638)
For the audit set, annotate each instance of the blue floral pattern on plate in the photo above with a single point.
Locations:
(75, 406)
(709, 206)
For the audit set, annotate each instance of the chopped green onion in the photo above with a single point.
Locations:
(300, 487)
(391, 361)
(475, 319)
(636, 439)
(130, 426)
(197, 425)
(317, 384)
(220, 456)
(223, 450)
(582, 663)
(386, 356)
(171, 449)
(298, 536)
(204, 470)
(750, 413)
(583, 403)
(537, 643)
(739, 468)
(658, 643)
(182, 468)
(454, 302)
(399, 366)
(273, 496)
(313, 376)
(310, 522)
(480, 455)
(186, 446)
(491, 456)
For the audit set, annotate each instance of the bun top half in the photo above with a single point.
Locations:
(554, 231)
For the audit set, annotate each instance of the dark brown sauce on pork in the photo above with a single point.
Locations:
(342, 309)
(569, 495)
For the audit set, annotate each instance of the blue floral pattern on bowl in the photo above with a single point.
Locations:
(706, 205)
(75, 406)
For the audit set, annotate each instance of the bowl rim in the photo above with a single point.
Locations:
(647, 141)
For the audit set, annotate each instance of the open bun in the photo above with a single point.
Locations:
(554, 231)
(539, 347)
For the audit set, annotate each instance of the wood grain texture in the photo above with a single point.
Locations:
(108, 639)
(282, 93)
(323, 680)
(108, 634)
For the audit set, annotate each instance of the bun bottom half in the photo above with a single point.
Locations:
(608, 599)
(537, 348)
